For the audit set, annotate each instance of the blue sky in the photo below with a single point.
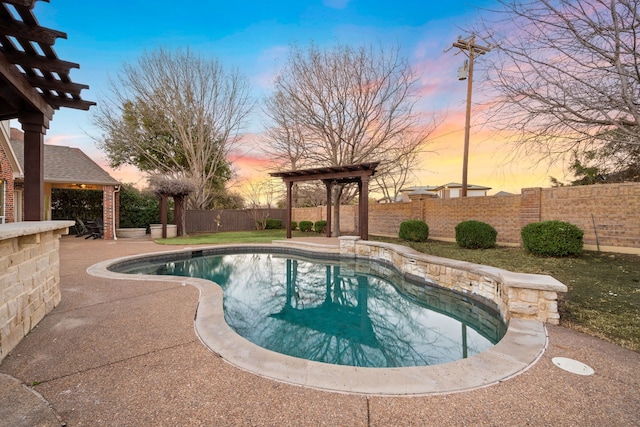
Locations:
(254, 36)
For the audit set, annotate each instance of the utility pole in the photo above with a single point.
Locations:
(469, 47)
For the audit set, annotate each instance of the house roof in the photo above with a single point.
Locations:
(458, 185)
(67, 165)
(419, 188)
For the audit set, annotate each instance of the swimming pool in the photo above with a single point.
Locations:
(513, 293)
(343, 312)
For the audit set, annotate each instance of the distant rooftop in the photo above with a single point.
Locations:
(458, 185)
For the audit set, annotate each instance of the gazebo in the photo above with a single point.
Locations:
(35, 82)
(331, 175)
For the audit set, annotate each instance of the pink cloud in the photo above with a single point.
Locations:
(64, 140)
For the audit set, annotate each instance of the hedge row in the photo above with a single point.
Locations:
(547, 238)
(318, 226)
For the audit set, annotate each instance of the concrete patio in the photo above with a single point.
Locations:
(125, 353)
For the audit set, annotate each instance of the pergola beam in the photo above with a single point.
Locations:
(24, 3)
(35, 34)
(19, 89)
(57, 85)
(41, 63)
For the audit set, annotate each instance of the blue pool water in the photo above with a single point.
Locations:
(330, 311)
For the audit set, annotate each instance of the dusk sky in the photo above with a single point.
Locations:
(254, 37)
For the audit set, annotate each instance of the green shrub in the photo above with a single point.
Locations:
(475, 235)
(552, 238)
(141, 208)
(306, 225)
(414, 231)
(294, 225)
(273, 224)
(320, 226)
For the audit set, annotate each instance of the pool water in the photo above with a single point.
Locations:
(328, 311)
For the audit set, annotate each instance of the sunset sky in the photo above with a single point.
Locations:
(254, 37)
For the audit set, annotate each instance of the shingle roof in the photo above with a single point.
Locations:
(67, 165)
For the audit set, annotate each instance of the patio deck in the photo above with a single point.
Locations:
(125, 353)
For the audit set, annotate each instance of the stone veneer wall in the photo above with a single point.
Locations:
(517, 295)
(29, 277)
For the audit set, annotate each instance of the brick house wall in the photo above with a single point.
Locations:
(6, 174)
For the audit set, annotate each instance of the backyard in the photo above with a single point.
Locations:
(604, 288)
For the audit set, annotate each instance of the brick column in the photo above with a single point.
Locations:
(530, 206)
(108, 211)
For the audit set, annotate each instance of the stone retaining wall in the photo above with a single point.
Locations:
(29, 277)
(517, 295)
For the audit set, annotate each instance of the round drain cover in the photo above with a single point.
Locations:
(572, 366)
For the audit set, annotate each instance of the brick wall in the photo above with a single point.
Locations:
(348, 216)
(615, 209)
(6, 174)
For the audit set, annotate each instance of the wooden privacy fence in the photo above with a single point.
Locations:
(211, 221)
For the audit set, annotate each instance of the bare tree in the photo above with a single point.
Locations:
(342, 106)
(175, 113)
(260, 197)
(565, 75)
(393, 175)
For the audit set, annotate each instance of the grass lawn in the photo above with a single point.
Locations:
(604, 289)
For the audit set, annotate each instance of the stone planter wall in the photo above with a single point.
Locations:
(134, 233)
(156, 231)
(518, 295)
(29, 277)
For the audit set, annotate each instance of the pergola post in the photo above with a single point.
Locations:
(34, 126)
(329, 186)
(178, 214)
(363, 207)
(163, 214)
(288, 218)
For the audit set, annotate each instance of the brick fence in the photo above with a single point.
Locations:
(608, 214)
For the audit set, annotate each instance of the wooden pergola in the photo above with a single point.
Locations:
(331, 175)
(35, 83)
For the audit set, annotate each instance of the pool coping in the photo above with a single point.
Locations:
(522, 346)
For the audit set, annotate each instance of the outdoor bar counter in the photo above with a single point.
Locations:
(29, 276)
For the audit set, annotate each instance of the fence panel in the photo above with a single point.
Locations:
(211, 221)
